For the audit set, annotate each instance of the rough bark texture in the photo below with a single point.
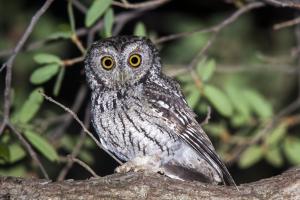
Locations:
(154, 186)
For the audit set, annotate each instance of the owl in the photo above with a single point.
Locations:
(142, 117)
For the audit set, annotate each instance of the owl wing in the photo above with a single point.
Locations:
(168, 99)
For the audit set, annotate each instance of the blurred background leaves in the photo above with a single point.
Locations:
(247, 78)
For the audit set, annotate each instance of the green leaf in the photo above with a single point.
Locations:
(59, 35)
(219, 100)
(238, 120)
(250, 156)
(30, 107)
(275, 137)
(96, 10)
(89, 143)
(139, 29)
(16, 153)
(43, 74)
(291, 148)
(71, 16)
(67, 142)
(238, 100)
(108, 22)
(186, 78)
(193, 97)
(45, 58)
(4, 153)
(273, 156)
(258, 104)
(5, 137)
(205, 70)
(59, 80)
(215, 129)
(86, 156)
(17, 171)
(42, 145)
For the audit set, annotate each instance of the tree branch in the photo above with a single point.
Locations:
(154, 186)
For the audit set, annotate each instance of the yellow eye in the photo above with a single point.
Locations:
(107, 62)
(135, 60)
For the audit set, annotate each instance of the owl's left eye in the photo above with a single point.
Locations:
(135, 60)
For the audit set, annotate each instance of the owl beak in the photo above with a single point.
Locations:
(123, 77)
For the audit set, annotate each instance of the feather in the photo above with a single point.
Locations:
(187, 128)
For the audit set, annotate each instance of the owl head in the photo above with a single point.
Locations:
(121, 61)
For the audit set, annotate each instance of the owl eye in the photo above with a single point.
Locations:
(135, 60)
(107, 62)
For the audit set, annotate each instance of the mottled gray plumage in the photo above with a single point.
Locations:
(141, 115)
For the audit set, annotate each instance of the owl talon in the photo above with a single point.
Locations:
(146, 164)
(126, 167)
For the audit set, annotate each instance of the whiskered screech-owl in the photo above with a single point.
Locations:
(141, 115)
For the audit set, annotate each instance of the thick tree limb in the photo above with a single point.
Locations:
(155, 186)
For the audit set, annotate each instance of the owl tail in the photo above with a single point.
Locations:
(188, 174)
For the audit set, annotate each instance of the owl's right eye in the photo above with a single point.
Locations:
(107, 62)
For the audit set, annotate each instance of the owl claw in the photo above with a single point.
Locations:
(146, 164)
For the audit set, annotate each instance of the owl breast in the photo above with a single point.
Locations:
(129, 127)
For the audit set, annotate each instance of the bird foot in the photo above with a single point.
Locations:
(146, 164)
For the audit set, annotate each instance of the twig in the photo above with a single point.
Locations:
(76, 149)
(125, 19)
(282, 3)
(79, 98)
(215, 28)
(78, 43)
(29, 149)
(203, 50)
(287, 23)
(119, 21)
(147, 4)
(193, 63)
(82, 164)
(207, 118)
(27, 33)
(176, 70)
(81, 124)
(79, 6)
(237, 151)
(72, 61)
(43, 124)
(8, 64)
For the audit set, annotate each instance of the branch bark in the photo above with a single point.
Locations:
(151, 186)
